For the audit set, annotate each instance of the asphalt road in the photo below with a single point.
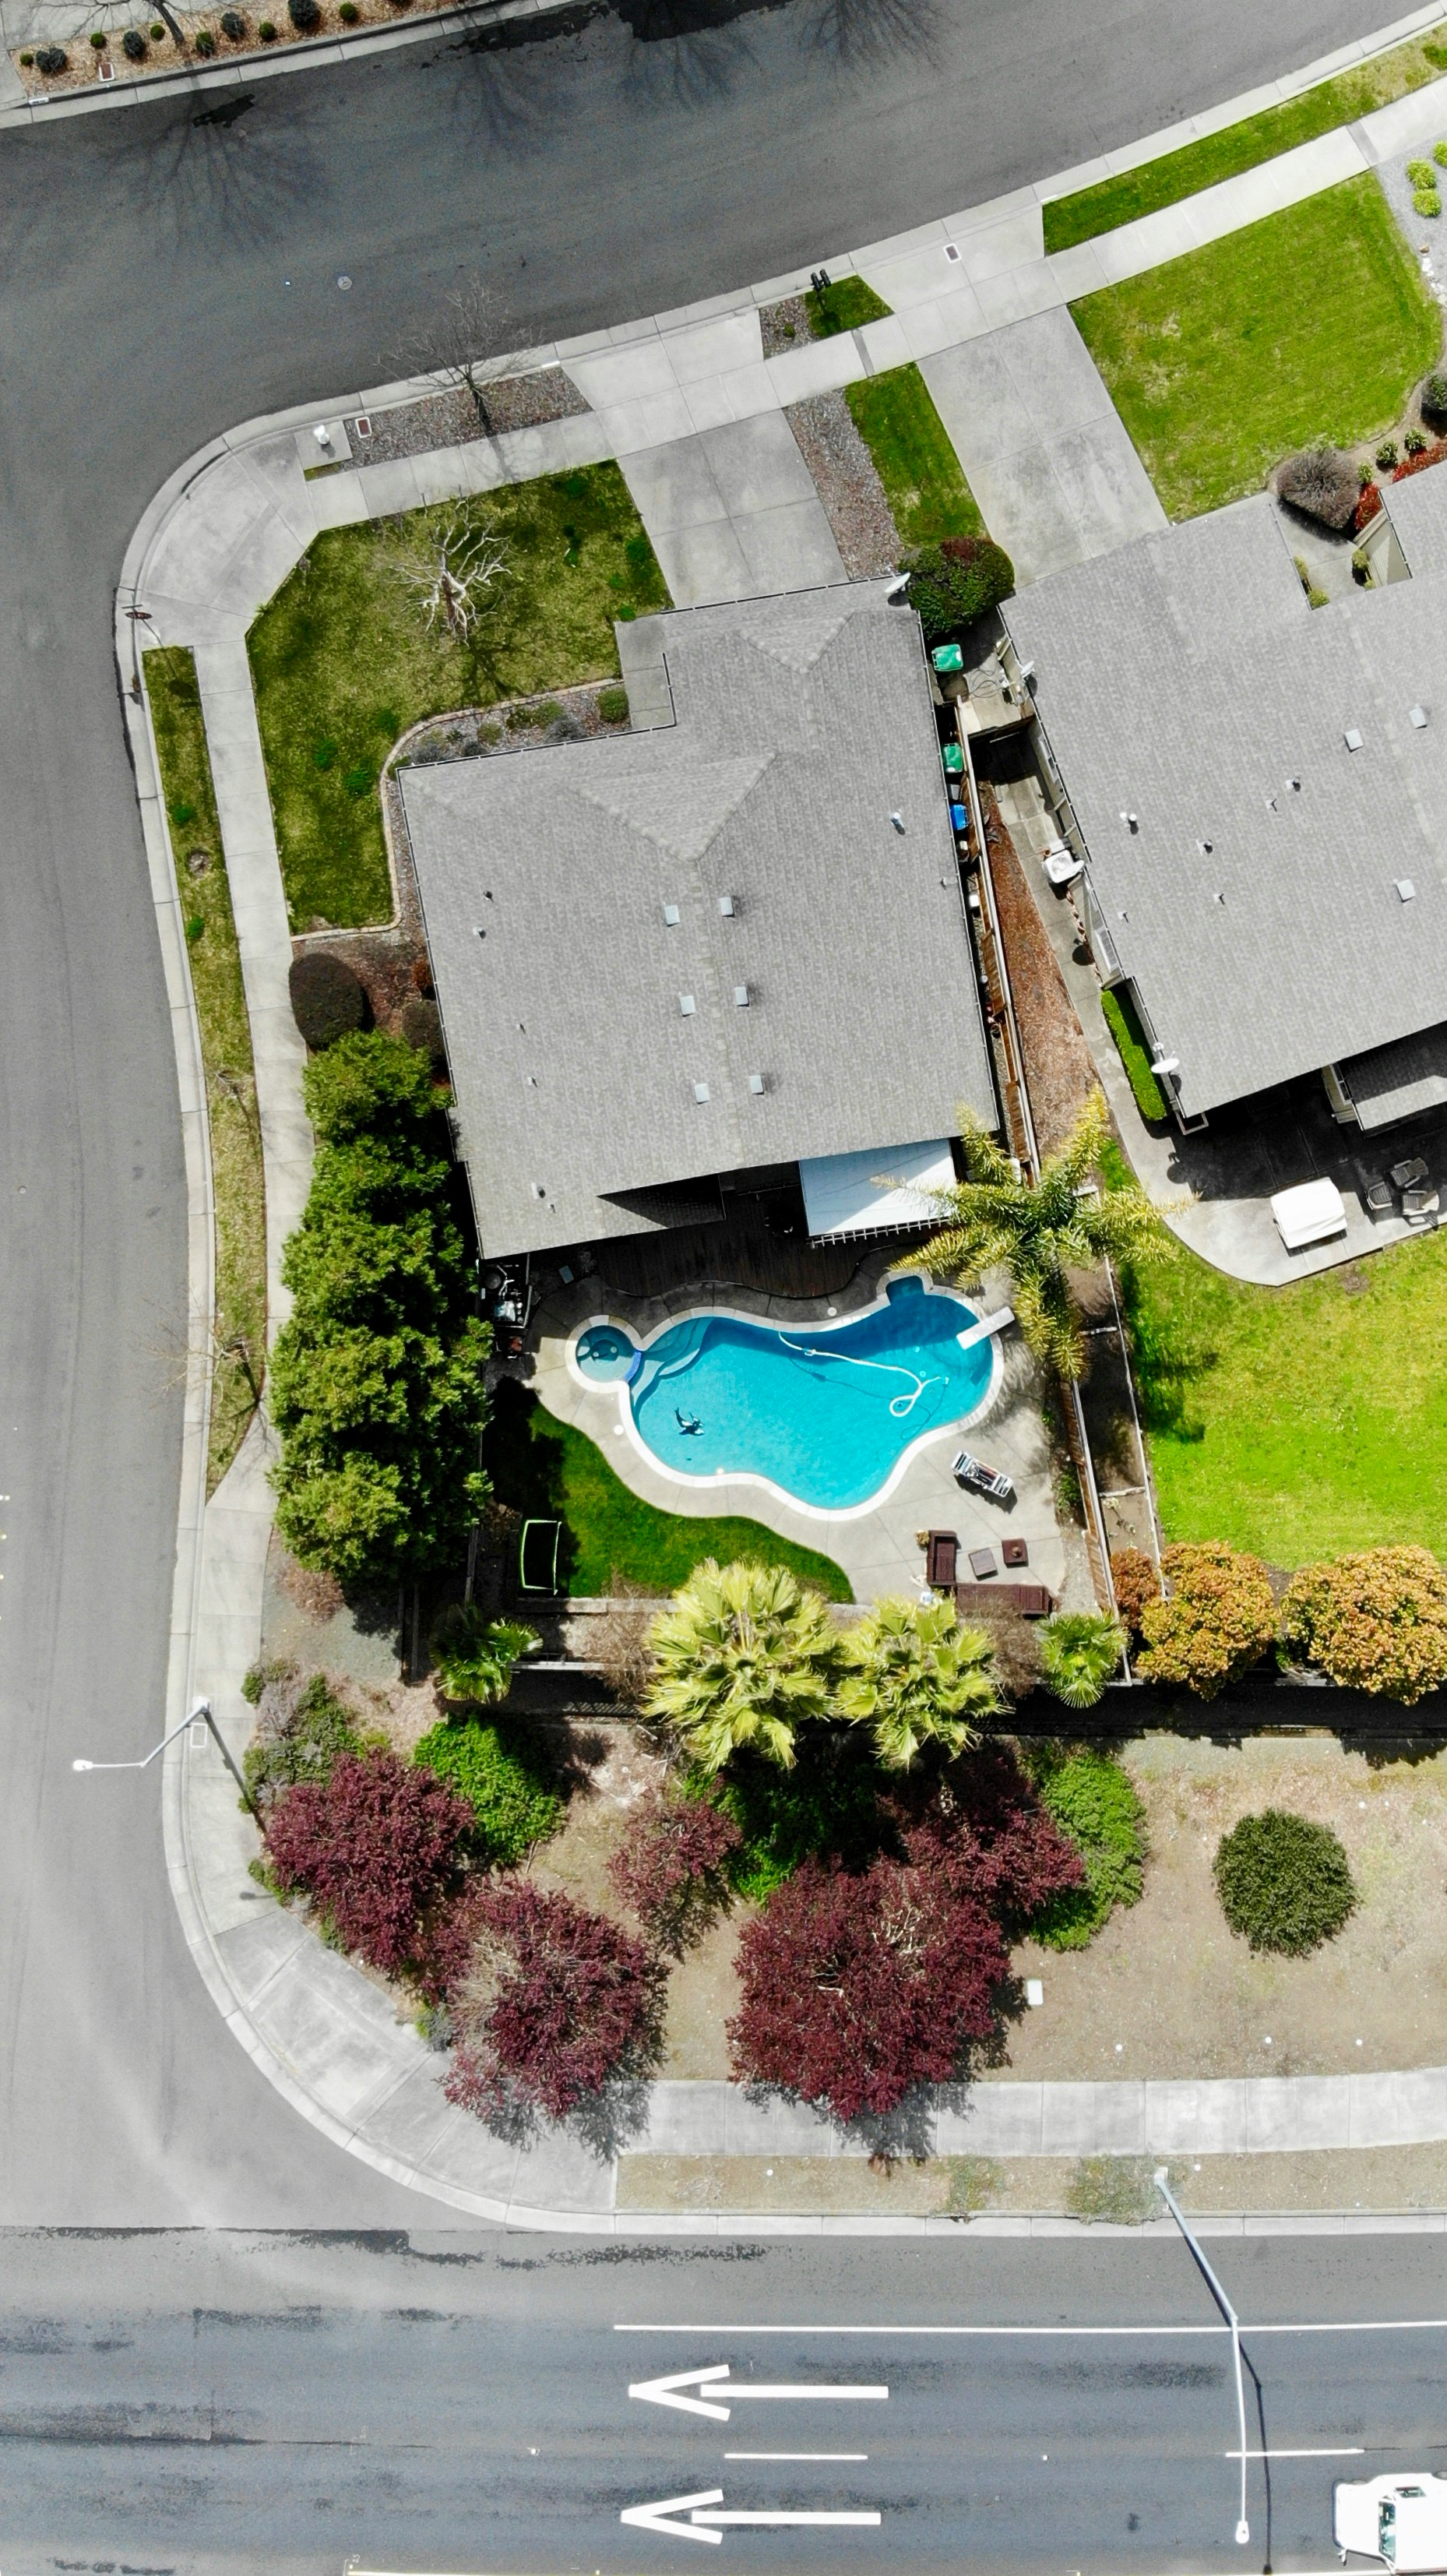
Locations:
(168, 2402)
(159, 281)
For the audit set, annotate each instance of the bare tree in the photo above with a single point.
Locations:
(460, 342)
(448, 559)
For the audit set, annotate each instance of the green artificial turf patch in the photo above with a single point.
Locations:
(1312, 324)
(342, 662)
(540, 1466)
(1120, 200)
(237, 1176)
(1298, 1422)
(927, 493)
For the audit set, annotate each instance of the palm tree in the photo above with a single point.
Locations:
(1039, 1235)
(744, 1657)
(1079, 1651)
(915, 1676)
(475, 1656)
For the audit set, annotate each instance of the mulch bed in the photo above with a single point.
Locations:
(450, 419)
(1059, 1073)
(847, 483)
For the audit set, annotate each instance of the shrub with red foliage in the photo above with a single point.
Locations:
(375, 1844)
(1367, 507)
(671, 1868)
(1418, 464)
(858, 1986)
(556, 2001)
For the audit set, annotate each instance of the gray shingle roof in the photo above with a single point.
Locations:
(1185, 680)
(802, 725)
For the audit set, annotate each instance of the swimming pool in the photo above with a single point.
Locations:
(825, 1413)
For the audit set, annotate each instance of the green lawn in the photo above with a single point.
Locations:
(1298, 1421)
(342, 662)
(1312, 324)
(538, 1464)
(845, 305)
(237, 1175)
(1260, 138)
(896, 418)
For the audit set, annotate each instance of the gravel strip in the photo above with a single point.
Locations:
(785, 326)
(847, 484)
(450, 419)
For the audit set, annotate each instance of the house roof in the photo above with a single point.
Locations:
(601, 1051)
(1258, 900)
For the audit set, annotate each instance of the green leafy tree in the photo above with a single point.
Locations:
(1080, 1651)
(956, 581)
(376, 1382)
(1038, 1236)
(915, 1677)
(476, 1656)
(742, 1660)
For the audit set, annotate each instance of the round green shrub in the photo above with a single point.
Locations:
(953, 583)
(1433, 395)
(327, 999)
(25, 61)
(349, 13)
(133, 45)
(420, 1022)
(1387, 455)
(1425, 201)
(613, 705)
(157, 32)
(233, 25)
(1439, 154)
(205, 41)
(1285, 1884)
(1421, 174)
(1414, 443)
(513, 1806)
(98, 39)
(1093, 1801)
(50, 59)
(305, 15)
(266, 32)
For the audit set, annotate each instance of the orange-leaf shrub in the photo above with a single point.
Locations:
(1376, 1621)
(1217, 1621)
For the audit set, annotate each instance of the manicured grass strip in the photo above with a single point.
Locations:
(846, 305)
(1125, 1028)
(896, 418)
(1301, 1421)
(1314, 323)
(539, 1465)
(237, 1174)
(342, 662)
(1144, 191)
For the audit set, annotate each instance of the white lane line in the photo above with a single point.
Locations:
(1347, 2451)
(1336, 2325)
(796, 2455)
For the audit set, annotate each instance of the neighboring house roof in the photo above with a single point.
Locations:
(1186, 681)
(583, 1028)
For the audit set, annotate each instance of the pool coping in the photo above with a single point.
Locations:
(832, 1322)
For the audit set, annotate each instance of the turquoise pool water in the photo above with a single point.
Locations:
(823, 1411)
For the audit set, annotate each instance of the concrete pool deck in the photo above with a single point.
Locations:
(876, 1548)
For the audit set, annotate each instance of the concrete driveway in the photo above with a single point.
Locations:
(733, 513)
(1043, 447)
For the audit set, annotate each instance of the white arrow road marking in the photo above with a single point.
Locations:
(666, 2392)
(655, 2517)
(871, 2518)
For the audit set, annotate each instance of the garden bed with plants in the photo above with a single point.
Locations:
(799, 1866)
(149, 48)
(352, 652)
(238, 1325)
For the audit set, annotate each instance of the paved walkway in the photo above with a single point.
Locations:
(1044, 449)
(733, 513)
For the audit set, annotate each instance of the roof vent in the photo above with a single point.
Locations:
(756, 1083)
(741, 996)
(700, 1092)
(540, 1189)
(726, 906)
(1417, 716)
(686, 1005)
(1132, 822)
(1405, 888)
(1352, 738)
(1295, 786)
(670, 915)
(1205, 848)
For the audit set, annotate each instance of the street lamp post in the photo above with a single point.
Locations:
(199, 1715)
(1162, 2184)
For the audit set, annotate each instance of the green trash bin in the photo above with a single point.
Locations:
(948, 657)
(954, 760)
